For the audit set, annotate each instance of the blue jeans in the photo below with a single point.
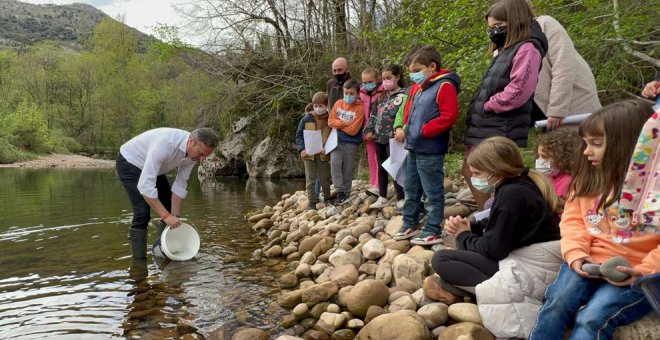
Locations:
(424, 174)
(605, 307)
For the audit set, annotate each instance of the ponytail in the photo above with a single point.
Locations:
(547, 190)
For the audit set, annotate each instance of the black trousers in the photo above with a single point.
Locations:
(382, 154)
(463, 268)
(129, 175)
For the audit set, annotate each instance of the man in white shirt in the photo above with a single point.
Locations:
(141, 166)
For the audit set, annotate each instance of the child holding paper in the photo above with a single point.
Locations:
(318, 165)
(379, 128)
(347, 116)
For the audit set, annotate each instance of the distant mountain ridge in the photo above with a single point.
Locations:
(23, 25)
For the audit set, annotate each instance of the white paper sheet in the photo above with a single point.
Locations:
(576, 119)
(401, 175)
(396, 169)
(313, 142)
(481, 215)
(331, 143)
(397, 151)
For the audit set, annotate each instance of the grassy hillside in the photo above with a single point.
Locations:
(23, 25)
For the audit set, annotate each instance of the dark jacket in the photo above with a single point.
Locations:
(335, 90)
(519, 217)
(513, 124)
(312, 123)
(433, 111)
(381, 120)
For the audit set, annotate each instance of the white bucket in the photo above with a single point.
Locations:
(179, 244)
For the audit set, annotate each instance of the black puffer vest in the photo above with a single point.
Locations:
(513, 124)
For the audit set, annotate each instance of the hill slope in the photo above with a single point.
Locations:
(23, 25)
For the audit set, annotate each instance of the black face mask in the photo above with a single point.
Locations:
(340, 77)
(498, 36)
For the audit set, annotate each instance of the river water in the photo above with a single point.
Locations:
(65, 269)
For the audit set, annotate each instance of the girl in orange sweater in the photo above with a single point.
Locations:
(589, 235)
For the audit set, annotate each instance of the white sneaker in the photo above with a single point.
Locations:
(380, 203)
(399, 204)
(373, 192)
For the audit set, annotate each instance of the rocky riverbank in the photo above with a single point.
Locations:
(350, 279)
(62, 161)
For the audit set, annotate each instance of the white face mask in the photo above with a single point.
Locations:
(543, 166)
(319, 110)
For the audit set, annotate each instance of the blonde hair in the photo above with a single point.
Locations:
(501, 157)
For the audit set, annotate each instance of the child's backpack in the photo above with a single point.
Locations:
(640, 195)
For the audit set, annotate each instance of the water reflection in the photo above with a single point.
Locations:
(65, 269)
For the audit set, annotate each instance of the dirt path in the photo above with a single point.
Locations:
(62, 161)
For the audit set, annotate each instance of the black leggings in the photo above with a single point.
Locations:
(129, 175)
(463, 268)
(382, 154)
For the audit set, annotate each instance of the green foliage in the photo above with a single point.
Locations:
(27, 128)
(10, 153)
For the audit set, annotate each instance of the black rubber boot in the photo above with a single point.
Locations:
(138, 239)
(161, 227)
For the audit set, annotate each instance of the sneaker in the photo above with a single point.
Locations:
(427, 239)
(406, 233)
(373, 192)
(380, 203)
(399, 204)
(342, 199)
(312, 206)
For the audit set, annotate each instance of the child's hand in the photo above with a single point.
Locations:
(455, 225)
(577, 267)
(369, 136)
(303, 153)
(651, 90)
(399, 135)
(634, 276)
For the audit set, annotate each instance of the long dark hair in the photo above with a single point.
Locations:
(518, 17)
(396, 70)
(620, 123)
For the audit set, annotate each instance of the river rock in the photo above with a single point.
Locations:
(389, 256)
(308, 258)
(303, 270)
(290, 299)
(289, 250)
(608, 268)
(288, 280)
(263, 224)
(360, 229)
(349, 242)
(365, 294)
(435, 314)
(341, 257)
(288, 321)
(345, 275)
(405, 302)
(288, 337)
(343, 294)
(251, 334)
(318, 268)
(384, 273)
(300, 311)
(319, 309)
(355, 323)
(368, 268)
(396, 295)
(466, 331)
(591, 268)
(394, 225)
(389, 212)
(313, 334)
(274, 251)
(307, 244)
(402, 325)
(420, 298)
(342, 234)
(422, 253)
(319, 293)
(406, 267)
(373, 249)
(323, 245)
(343, 334)
(457, 209)
(402, 246)
(330, 322)
(465, 312)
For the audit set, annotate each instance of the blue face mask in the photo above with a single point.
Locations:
(418, 77)
(482, 184)
(370, 86)
(349, 99)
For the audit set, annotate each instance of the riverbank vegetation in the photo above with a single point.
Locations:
(264, 60)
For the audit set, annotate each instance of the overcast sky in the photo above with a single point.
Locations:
(140, 14)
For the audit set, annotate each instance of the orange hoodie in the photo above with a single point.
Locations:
(347, 117)
(581, 237)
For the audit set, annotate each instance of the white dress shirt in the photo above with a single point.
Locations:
(157, 152)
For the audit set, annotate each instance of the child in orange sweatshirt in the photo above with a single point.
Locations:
(347, 116)
(589, 234)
